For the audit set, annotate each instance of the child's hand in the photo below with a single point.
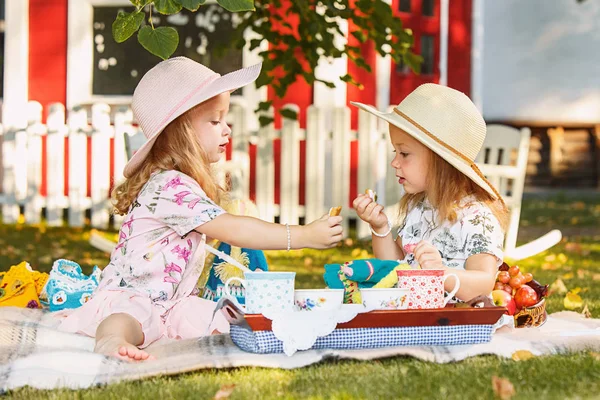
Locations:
(370, 212)
(428, 256)
(324, 232)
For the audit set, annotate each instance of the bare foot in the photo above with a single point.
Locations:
(118, 347)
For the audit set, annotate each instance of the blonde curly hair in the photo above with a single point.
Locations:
(176, 148)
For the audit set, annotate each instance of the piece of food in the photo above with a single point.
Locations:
(526, 297)
(504, 299)
(372, 194)
(335, 211)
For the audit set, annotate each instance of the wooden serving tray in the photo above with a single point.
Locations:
(449, 315)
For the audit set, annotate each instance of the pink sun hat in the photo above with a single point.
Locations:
(173, 87)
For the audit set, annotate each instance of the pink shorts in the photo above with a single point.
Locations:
(189, 318)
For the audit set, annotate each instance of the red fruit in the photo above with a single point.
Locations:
(508, 289)
(528, 277)
(503, 299)
(526, 297)
(499, 286)
(517, 281)
(513, 271)
(503, 277)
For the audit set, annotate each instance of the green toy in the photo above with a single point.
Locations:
(368, 273)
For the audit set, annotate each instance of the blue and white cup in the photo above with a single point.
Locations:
(264, 290)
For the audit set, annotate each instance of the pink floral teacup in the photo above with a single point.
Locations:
(426, 287)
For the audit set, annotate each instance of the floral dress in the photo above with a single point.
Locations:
(154, 268)
(476, 230)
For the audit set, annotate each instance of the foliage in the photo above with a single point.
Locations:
(300, 33)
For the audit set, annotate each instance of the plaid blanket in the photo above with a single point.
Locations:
(34, 353)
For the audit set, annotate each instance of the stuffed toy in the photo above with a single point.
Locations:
(217, 271)
(369, 273)
(21, 286)
(68, 286)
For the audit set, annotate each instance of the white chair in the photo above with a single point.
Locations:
(503, 160)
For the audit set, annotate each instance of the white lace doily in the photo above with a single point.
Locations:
(299, 330)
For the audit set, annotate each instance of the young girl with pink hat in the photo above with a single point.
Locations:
(452, 217)
(171, 202)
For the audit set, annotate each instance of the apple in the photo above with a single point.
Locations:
(526, 297)
(504, 299)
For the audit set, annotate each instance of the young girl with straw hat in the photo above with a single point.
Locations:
(172, 203)
(452, 217)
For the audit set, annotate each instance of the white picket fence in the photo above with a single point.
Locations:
(327, 163)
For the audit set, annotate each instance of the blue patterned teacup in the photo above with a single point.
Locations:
(264, 290)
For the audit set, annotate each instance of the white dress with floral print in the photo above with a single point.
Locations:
(475, 231)
(155, 266)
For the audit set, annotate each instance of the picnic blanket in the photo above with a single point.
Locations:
(34, 353)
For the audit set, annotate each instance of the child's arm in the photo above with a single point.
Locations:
(476, 279)
(253, 233)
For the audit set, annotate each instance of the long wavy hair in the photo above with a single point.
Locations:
(446, 187)
(176, 148)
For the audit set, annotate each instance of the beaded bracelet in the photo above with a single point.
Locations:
(289, 237)
(381, 235)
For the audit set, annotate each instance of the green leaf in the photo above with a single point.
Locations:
(237, 5)
(264, 121)
(161, 42)
(167, 7)
(264, 105)
(126, 24)
(414, 61)
(192, 5)
(289, 114)
(263, 79)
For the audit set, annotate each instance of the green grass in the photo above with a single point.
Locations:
(550, 377)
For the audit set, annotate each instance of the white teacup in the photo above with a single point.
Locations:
(318, 299)
(385, 298)
(264, 290)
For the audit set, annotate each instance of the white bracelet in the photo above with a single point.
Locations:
(381, 235)
(289, 237)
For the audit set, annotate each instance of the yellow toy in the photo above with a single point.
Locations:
(21, 286)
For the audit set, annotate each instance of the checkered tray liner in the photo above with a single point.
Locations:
(363, 338)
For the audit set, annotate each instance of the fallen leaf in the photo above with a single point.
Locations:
(562, 258)
(308, 261)
(349, 242)
(572, 301)
(596, 277)
(573, 247)
(522, 355)
(549, 266)
(581, 273)
(550, 257)
(558, 287)
(574, 221)
(503, 388)
(595, 355)
(569, 275)
(586, 312)
(224, 392)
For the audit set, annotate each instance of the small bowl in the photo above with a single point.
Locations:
(385, 298)
(531, 316)
(318, 299)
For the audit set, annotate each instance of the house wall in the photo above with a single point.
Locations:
(541, 61)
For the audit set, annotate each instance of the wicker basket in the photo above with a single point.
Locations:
(531, 316)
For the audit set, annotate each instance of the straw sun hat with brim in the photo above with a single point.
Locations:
(447, 122)
(173, 87)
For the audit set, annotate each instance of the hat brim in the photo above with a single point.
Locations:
(415, 132)
(226, 83)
